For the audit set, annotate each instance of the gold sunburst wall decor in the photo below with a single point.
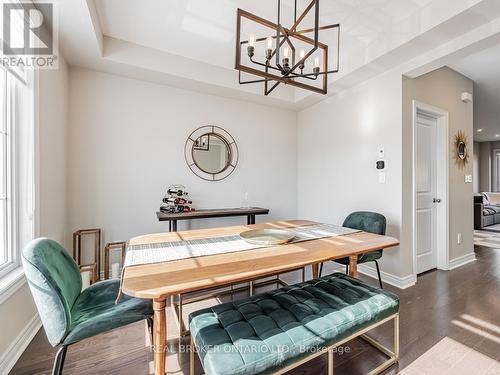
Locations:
(461, 152)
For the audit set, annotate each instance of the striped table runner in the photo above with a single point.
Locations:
(169, 251)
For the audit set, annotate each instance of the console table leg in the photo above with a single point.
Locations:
(174, 225)
(170, 225)
(250, 219)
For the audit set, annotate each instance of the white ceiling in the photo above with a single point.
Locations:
(484, 69)
(205, 30)
(190, 43)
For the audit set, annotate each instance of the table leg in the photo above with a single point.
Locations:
(170, 225)
(315, 270)
(353, 265)
(174, 225)
(159, 336)
(250, 219)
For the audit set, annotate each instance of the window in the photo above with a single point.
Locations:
(6, 256)
(16, 168)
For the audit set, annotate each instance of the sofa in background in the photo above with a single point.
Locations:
(486, 209)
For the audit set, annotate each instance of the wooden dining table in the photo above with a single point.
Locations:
(160, 281)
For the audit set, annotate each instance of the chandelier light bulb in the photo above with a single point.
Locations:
(302, 54)
(286, 60)
(269, 50)
(269, 43)
(316, 66)
(251, 46)
(251, 40)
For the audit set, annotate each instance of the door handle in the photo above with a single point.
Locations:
(436, 200)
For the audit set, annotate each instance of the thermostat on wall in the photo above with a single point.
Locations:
(380, 165)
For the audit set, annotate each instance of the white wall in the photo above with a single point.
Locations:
(126, 145)
(338, 142)
(475, 168)
(495, 147)
(22, 316)
(485, 164)
(53, 154)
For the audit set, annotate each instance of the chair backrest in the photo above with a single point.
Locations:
(371, 222)
(55, 282)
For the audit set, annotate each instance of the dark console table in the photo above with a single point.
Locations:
(204, 214)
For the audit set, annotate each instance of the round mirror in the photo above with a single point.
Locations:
(461, 150)
(211, 153)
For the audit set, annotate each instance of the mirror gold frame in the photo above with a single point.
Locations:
(461, 151)
(192, 144)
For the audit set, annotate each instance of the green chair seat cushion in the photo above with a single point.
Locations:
(363, 258)
(95, 311)
(266, 332)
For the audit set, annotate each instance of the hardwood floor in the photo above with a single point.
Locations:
(448, 318)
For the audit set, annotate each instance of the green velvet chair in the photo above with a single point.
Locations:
(69, 314)
(371, 222)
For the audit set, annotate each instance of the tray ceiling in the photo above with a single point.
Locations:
(205, 30)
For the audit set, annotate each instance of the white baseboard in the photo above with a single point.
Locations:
(19, 345)
(398, 282)
(388, 278)
(462, 260)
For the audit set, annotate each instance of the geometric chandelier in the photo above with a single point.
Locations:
(277, 54)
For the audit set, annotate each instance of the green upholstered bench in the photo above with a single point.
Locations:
(276, 331)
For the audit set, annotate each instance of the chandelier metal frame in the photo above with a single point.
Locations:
(282, 71)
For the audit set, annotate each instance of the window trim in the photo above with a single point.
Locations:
(11, 175)
(11, 283)
(12, 274)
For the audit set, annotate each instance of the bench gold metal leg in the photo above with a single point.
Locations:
(396, 337)
(330, 361)
(393, 356)
(181, 321)
(191, 357)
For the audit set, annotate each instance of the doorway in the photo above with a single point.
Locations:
(430, 188)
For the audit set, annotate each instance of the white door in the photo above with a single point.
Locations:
(426, 200)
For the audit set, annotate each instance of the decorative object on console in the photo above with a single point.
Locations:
(89, 275)
(290, 57)
(211, 153)
(77, 251)
(461, 150)
(176, 200)
(115, 267)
